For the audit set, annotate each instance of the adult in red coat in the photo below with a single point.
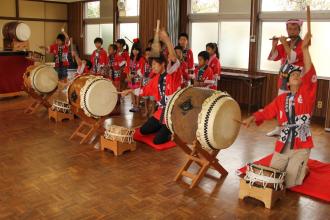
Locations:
(293, 111)
(290, 54)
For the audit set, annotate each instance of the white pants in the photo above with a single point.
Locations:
(294, 162)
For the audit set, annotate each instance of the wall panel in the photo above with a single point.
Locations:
(56, 11)
(31, 9)
(8, 8)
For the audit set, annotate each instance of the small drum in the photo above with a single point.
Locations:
(95, 95)
(61, 106)
(263, 176)
(204, 114)
(16, 30)
(121, 134)
(42, 78)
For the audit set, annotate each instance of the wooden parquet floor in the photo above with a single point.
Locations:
(43, 175)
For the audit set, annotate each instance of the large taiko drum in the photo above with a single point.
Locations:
(203, 114)
(16, 30)
(95, 95)
(42, 79)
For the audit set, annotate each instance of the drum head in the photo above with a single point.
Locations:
(23, 32)
(44, 79)
(217, 128)
(185, 112)
(100, 97)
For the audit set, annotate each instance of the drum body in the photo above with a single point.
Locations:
(263, 176)
(205, 115)
(42, 79)
(16, 30)
(95, 95)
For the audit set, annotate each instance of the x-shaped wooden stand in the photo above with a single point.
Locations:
(88, 127)
(38, 100)
(204, 159)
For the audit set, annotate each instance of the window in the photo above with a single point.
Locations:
(97, 24)
(200, 37)
(132, 8)
(105, 31)
(204, 6)
(129, 31)
(291, 5)
(227, 25)
(92, 9)
(269, 29)
(129, 21)
(234, 44)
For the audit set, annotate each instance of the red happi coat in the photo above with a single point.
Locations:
(147, 74)
(102, 59)
(136, 72)
(185, 75)
(303, 102)
(215, 65)
(296, 57)
(54, 49)
(189, 58)
(173, 83)
(122, 62)
(207, 77)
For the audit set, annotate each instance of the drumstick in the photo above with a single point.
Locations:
(238, 121)
(128, 39)
(63, 26)
(155, 47)
(309, 21)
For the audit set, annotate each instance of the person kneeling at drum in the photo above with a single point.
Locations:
(203, 76)
(293, 111)
(166, 81)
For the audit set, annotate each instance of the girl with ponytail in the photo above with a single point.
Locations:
(122, 57)
(136, 73)
(214, 62)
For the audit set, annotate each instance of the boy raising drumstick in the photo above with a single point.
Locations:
(293, 111)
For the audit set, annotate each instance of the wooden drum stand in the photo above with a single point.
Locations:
(38, 100)
(203, 158)
(88, 126)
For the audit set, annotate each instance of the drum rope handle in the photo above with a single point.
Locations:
(253, 177)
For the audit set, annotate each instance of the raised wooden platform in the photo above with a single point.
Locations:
(266, 195)
(59, 116)
(117, 147)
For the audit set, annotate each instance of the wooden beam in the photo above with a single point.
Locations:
(254, 36)
(17, 8)
(32, 19)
